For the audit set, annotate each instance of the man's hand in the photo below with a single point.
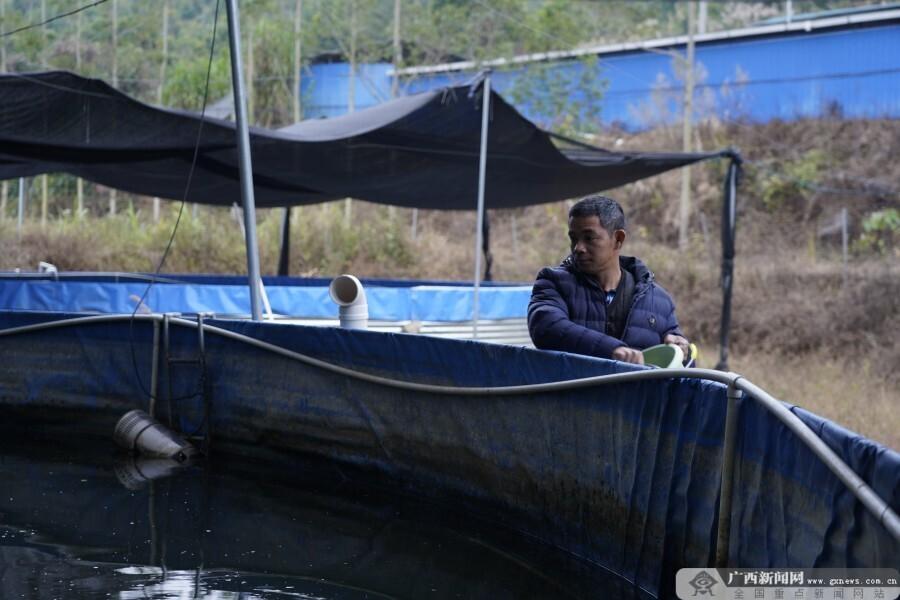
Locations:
(680, 342)
(630, 355)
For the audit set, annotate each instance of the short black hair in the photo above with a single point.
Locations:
(607, 210)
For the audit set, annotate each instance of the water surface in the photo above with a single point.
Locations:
(79, 520)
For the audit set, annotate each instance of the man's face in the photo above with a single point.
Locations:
(593, 248)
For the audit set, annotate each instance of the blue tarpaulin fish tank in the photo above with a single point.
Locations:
(388, 299)
(627, 470)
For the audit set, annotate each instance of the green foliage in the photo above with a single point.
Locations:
(880, 232)
(544, 91)
(185, 83)
(793, 181)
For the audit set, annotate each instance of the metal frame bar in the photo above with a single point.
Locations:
(482, 169)
(245, 164)
(857, 486)
(154, 371)
(20, 214)
(201, 340)
(167, 351)
(115, 276)
(723, 535)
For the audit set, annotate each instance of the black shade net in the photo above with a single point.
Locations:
(415, 151)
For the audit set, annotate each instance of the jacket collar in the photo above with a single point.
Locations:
(642, 275)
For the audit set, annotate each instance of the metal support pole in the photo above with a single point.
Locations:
(246, 167)
(482, 164)
(729, 218)
(844, 246)
(151, 513)
(167, 352)
(723, 536)
(201, 339)
(154, 371)
(21, 215)
(284, 257)
(201, 342)
(684, 206)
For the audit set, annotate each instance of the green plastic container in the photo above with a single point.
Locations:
(664, 356)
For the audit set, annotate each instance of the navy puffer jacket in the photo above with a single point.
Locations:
(568, 311)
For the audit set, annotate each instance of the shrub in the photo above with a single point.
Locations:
(880, 230)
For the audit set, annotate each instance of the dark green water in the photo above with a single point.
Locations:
(77, 520)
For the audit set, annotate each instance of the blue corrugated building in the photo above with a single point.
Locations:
(327, 92)
(840, 62)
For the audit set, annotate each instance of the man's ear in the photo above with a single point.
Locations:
(619, 234)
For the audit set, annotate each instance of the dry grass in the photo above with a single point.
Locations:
(843, 389)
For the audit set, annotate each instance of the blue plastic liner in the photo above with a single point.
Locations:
(625, 476)
(390, 300)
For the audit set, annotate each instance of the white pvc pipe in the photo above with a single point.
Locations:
(347, 292)
(141, 434)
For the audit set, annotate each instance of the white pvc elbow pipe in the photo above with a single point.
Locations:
(347, 292)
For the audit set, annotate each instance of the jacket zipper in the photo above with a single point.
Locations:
(602, 300)
(631, 309)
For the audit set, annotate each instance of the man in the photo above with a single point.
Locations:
(597, 302)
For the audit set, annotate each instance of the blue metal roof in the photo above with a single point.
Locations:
(845, 62)
(825, 14)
